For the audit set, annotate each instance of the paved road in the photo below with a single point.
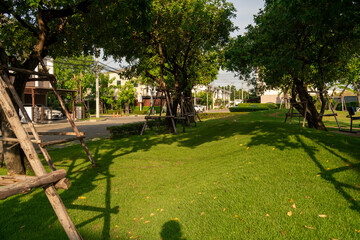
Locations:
(92, 129)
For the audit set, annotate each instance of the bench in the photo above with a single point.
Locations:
(352, 117)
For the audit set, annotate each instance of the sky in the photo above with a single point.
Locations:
(246, 9)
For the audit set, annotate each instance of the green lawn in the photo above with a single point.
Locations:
(248, 176)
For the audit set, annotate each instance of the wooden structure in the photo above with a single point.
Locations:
(76, 135)
(150, 115)
(188, 111)
(43, 179)
(292, 114)
(352, 117)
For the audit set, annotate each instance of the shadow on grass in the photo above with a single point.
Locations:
(171, 230)
(25, 215)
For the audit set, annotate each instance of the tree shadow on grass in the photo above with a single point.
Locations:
(24, 214)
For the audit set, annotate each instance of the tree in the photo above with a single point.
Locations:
(126, 96)
(183, 44)
(296, 44)
(31, 30)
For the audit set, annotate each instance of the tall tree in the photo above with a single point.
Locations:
(298, 44)
(182, 47)
(31, 29)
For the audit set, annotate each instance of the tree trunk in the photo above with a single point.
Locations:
(14, 157)
(313, 118)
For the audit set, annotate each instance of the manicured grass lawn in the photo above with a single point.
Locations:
(248, 176)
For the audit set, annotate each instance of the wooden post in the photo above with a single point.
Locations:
(35, 162)
(78, 134)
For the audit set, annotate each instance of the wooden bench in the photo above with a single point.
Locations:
(352, 117)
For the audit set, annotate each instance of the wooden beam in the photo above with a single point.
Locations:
(17, 140)
(40, 79)
(29, 183)
(27, 71)
(59, 133)
(44, 144)
(34, 160)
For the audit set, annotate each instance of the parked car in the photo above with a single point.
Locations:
(199, 108)
(49, 114)
(52, 114)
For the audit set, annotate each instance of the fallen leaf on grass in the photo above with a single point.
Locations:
(289, 213)
(291, 200)
(293, 206)
(333, 238)
(202, 213)
(151, 214)
(309, 227)
(283, 232)
(307, 197)
(236, 216)
(224, 209)
(322, 215)
(81, 197)
(175, 219)
(214, 197)
(267, 215)
(247, 148)
(146, 221)
(273, 149)
(192, 201)
(241, 144)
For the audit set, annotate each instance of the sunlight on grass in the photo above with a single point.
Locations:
(248, 176)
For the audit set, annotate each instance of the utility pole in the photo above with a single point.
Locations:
(194, 97)
(97, 85)
(207, 99)
(242, 91)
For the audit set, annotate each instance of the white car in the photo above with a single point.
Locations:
(199, 108)
(53, 114)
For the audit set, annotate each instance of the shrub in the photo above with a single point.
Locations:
(204, 116)
(128, 129)
(251, 107)
(145, 110)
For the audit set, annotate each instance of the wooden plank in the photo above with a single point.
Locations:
(27, 71)
(17, 140)
(40, 79)
(44, 144)
(29, 183)
(34, 160)
(59, 133)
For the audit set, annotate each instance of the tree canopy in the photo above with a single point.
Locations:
(298, 44)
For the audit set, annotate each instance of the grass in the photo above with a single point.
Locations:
(231, 178)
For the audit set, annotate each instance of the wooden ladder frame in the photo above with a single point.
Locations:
(35, 163)
(52, 79)
(291, 113)
(168, 108)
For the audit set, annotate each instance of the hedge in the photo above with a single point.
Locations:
(204, 116)
(251, 107)
(128, 129)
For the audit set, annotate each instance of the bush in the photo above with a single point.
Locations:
(349, 104)
(204, 116)
(128, 129)
(251, 107)
(145, 110)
